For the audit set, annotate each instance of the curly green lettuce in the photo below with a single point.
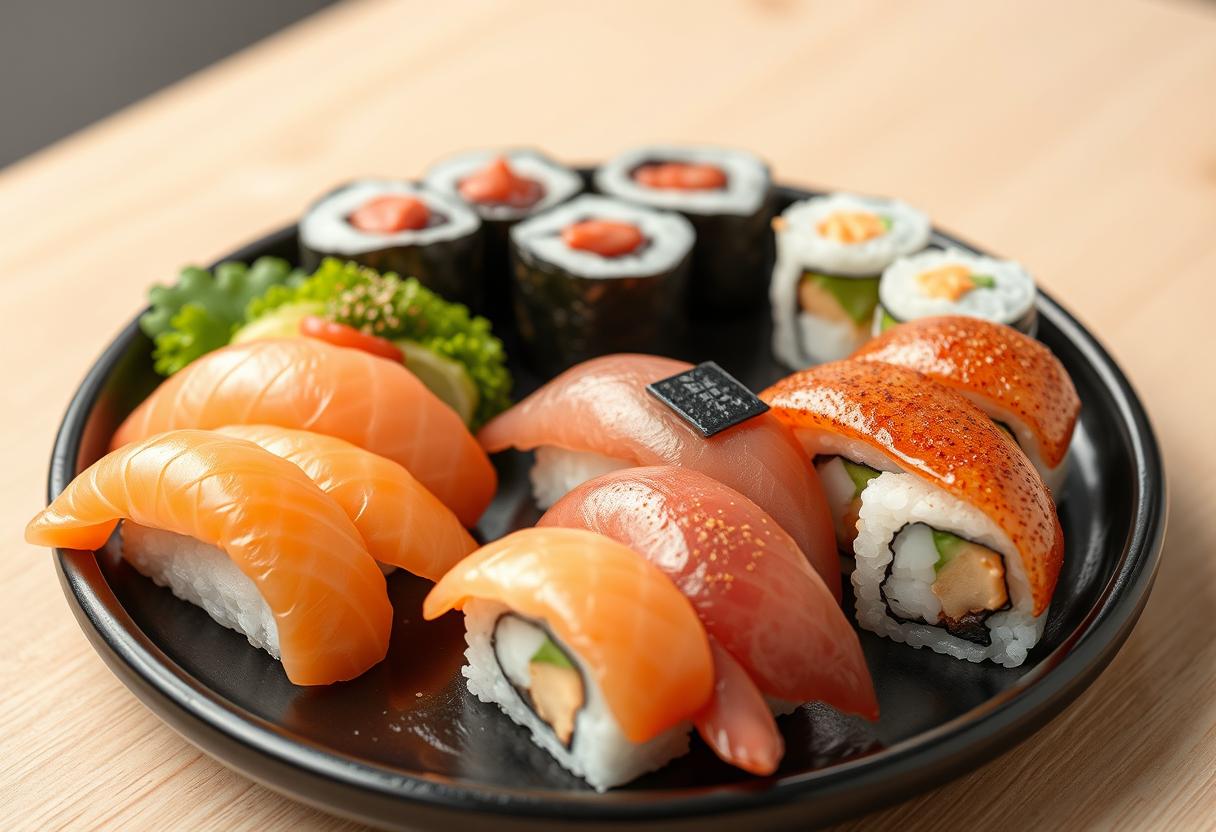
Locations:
(199, 312)
(394, 307)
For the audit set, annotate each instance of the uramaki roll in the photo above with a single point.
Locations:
(957, 542)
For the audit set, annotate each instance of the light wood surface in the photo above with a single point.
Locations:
(1078, 137)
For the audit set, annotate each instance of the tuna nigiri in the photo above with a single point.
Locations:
(242, 533)
(584, 643)
(1010, 376)
(401, 522)
(958, 547)
(751, 586)
(310, 385)
(597, 417)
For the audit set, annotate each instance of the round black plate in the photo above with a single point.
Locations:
(407, 746)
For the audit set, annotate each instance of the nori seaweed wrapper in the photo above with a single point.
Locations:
(564, 318)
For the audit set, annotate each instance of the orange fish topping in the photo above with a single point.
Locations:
(391, 213)
(681, 176)
(851, 227)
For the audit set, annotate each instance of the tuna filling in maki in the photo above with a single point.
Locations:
(543, 674)
(843, 482)
(939, 578)
(607, 238)
(498, 184)
(680, 176)
(392, 213)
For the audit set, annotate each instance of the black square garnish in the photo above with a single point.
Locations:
(709, 398)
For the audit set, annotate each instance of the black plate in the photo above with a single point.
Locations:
(407, 746)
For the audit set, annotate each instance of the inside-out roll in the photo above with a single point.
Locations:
(831, 251)
(956, 540)
(396, 226)
(1012, 377)
(955, 282)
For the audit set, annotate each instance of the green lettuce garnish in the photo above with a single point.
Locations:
(199, 312)
(394, 307)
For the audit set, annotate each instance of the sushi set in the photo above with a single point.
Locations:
(652, 493)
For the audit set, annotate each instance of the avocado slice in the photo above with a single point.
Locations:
(859, 474)
(948, 546)
(550, 653)
(857, 296)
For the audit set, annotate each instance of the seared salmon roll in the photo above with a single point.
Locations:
(956, 539)
(584, 643)
(1012, 377)
(831, 252)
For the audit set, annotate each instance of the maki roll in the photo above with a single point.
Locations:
(831, 251)
(503, 187)
(1010, 376)
(584, 643)
(956, 540)
(597, 275)
(242, 533)
(728, 197)
(956, 282)
(395, 226)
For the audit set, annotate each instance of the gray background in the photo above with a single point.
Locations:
(66, 63)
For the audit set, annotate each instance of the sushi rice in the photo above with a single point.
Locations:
(893, 508)
(499, 651)
(558, 471)
(203, 575)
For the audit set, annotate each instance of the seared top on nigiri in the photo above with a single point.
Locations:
(308, 384)
(936, 434)
(981, 358)
(602, 406)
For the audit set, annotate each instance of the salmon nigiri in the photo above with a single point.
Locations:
(750, 584)
(585, 643)
(597, 417)
(235, 529)
(957, 542)
(308, 384)
(401, 522)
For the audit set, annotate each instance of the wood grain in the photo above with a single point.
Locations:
(1078, 137)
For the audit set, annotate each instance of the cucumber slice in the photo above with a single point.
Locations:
(446, 378)
(550, 653)
(948, 546)
(984, 281)
(859, 474)
(857, 296)
(283, 322)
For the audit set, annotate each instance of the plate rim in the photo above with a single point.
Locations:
(247, 743)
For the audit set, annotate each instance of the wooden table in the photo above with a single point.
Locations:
(1078, 137)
